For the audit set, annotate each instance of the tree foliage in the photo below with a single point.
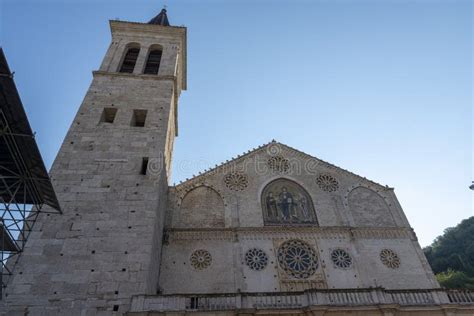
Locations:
(455, 279)
(451, 255)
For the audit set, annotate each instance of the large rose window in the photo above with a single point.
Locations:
(298, 259)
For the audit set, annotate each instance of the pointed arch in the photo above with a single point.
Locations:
(286, 202)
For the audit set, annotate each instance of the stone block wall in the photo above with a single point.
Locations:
(111, 179)
(355, 215)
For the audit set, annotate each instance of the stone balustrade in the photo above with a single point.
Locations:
(306, 299)
(460, 296)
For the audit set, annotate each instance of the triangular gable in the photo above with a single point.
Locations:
(227, 165)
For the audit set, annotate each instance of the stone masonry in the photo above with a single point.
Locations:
(273, 231)
(106, 247)
(360, 217)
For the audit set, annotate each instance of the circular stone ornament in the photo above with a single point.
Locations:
(390, 258)
(298, 259)
(236, 181)
(279, 163)
(341, 259)
(327, 183)
(256, 259)
(201, 259)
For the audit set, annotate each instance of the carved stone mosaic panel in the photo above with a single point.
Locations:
(286, 202)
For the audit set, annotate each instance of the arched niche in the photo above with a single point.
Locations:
(202, 207)
(369, 209)
(286, 202)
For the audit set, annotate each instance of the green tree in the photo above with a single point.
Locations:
(451, 255)
(455, 279)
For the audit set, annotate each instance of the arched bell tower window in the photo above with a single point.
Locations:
(130, 59)
(152, 65)
(286, 202)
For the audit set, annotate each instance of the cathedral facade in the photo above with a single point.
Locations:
(273, 231)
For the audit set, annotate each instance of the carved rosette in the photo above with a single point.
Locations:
(201, 259)
(341, 259)
(390, 259)
(278, 163)
(236, 181)
(256, 259)
(327, 183)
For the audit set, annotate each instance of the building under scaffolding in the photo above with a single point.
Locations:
(24, 182)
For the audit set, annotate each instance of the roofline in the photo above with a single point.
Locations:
(222, 164)
(337, 167)
(246, 154)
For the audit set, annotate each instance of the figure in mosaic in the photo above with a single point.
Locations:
(272, 210)
(286, 202)
(304, 209)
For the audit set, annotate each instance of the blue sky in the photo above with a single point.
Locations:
(381, 88)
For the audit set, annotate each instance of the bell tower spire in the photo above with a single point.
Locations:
(161, 18)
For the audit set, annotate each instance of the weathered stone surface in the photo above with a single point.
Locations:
(202, 207)
(324, 242)
(359, 216)
(369, 209)
(106, 247)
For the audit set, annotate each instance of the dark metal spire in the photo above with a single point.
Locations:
(160, 19)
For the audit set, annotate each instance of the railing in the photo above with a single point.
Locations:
(420, 297)
(211, 303)
(296, 300)
(273, 301)
(344, 297)
(461, 296)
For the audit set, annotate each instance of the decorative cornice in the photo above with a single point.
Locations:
(302, 232)
(136, 76)
(127, 26)
(383, 233)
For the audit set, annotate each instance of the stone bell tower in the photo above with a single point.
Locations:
(111, 177)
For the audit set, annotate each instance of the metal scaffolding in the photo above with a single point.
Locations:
(25, 187)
